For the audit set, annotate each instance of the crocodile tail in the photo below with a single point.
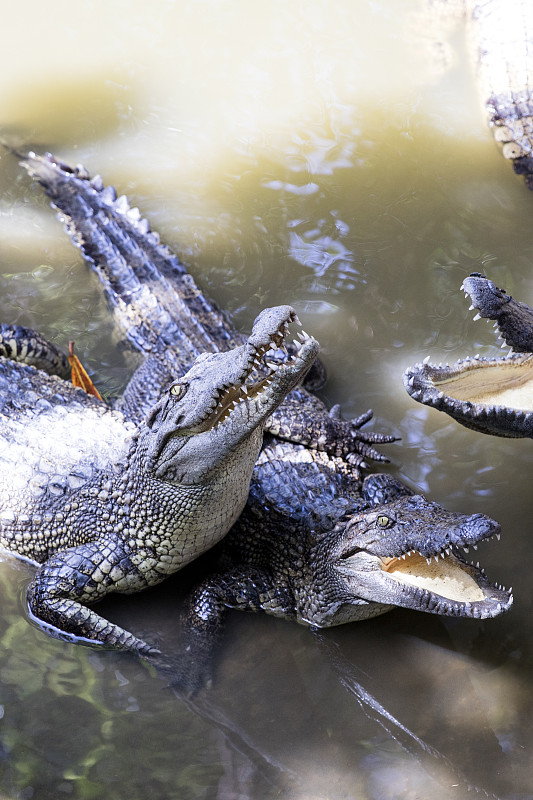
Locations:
(154, 299)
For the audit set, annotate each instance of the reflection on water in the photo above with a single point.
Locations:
(311, 153)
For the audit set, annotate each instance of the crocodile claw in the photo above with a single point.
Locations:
(356, 445)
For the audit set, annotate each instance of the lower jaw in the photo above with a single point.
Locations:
(464, 392)
(450, 587)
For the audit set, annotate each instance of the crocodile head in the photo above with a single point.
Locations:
(490, 395)
(218, 409)
(409, 553)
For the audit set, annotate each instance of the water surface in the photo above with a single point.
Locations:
(333, 156)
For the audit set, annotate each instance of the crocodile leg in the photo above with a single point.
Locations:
(203, 619)
(71, 578)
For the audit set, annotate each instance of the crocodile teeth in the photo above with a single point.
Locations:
(426, 360)
(97, 183)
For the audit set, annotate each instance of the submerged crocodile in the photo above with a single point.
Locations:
(490, 395)
(106, 506)
(315, 543)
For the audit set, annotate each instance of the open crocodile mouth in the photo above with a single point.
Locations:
(487, 394)
(254, 384)
(491, 395)
(447, 585)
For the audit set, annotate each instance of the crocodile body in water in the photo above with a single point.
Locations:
(315, 543)
(490, 395)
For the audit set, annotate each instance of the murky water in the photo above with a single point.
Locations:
(333, 156)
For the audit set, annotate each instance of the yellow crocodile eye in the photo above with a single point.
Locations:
(177, 391)
(384, 521)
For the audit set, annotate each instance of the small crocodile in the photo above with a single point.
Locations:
(106, 506)
(329, 547)
(305, 504)
(318, 545)
(489, 395)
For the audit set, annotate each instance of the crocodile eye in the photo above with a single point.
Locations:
(178, 390)
(384, 521)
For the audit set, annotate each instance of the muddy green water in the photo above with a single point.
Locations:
(334, 156)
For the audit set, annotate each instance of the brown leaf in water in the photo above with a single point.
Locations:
(79, 375)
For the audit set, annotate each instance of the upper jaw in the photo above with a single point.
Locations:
(513, 319)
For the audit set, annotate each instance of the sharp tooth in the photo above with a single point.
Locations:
(436, 559)
(471, 308)
(466, 548)
(478, 316)
(426, 360)
(474, 546)
(429, 561)
(498, 536)
(296, 343)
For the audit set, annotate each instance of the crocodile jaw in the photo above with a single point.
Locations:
(408, 553)
(489, 395)
(448, 587)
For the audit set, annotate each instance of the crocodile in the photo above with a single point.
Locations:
(500, 39)
(104, 505)
(489, 395)
(156, 301)
(330, 547)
